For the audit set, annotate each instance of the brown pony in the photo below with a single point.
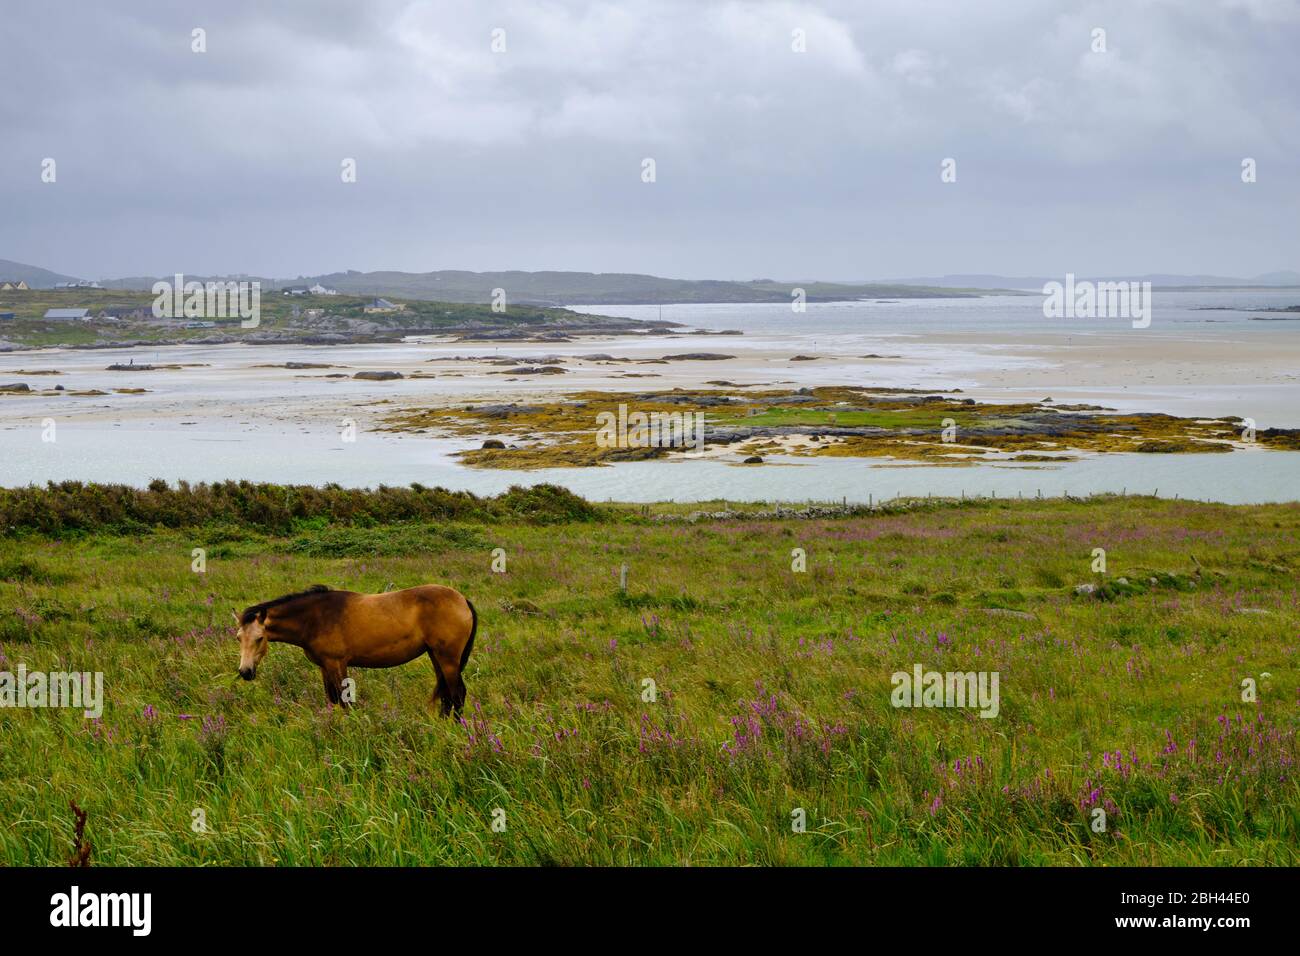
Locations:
(338, 628)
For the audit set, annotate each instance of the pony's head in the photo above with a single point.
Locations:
(253, 641)
(254, 635)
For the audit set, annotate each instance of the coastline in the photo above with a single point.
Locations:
(1126, 372)
(238, 411)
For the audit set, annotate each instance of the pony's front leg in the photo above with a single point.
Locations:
(334, 673)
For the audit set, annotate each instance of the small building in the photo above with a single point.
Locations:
(137, 313)
(67, 315)
(13, 285)
(383, 305)
(319, 289)
(294, 290)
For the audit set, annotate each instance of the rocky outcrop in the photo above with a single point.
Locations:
(384, 376)
(531, 370)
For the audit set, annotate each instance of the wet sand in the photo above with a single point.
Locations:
(1256, 376)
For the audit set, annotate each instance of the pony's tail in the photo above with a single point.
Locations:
(473, 629)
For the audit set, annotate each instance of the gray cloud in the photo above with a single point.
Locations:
(770, 162)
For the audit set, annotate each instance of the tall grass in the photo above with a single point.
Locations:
(74, 506)
(771, 687)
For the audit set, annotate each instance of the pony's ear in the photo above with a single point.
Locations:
(235, 615)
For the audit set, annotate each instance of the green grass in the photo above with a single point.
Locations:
(559, 736)
(884, 418)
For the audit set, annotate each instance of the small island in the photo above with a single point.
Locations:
(847, 421)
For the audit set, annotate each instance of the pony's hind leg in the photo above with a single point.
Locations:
(457, 690)
(451, 687)
(440, 693)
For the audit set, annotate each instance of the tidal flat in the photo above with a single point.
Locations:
(1195, 381)
(841, 421)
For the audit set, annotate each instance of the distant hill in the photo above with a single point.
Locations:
(145, 283)
(1168, 280)
(629, 288)
(34, 276)
(1279, 278)
(579, 288)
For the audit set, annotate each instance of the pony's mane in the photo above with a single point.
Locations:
(259, 610)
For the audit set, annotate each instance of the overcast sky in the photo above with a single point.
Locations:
(769, 162)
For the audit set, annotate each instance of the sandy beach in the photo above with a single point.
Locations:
(1256, 376)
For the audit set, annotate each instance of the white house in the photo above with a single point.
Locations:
(319, 289)
(68, 315)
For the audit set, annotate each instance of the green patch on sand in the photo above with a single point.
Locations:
(841, 421)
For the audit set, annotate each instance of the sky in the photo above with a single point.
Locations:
(789, 140)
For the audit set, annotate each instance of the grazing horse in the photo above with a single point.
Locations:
(338, 628)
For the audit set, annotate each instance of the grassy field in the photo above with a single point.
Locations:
(772, 688)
